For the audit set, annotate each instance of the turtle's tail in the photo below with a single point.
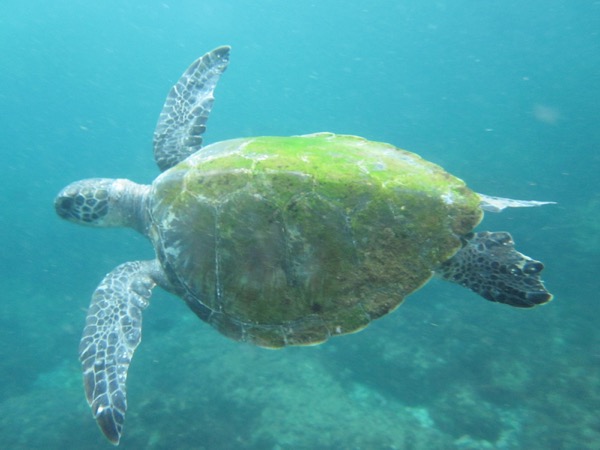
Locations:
(489, 265)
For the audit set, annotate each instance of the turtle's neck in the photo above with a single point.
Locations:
(132, 200)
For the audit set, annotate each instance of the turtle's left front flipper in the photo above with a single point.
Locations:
(489, 265)
(112, 332)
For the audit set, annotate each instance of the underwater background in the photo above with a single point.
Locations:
(505, 95)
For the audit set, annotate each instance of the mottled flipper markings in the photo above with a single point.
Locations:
(178, 133)
(112, 333)
(489, 265)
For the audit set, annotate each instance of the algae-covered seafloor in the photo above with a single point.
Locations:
(425, 377)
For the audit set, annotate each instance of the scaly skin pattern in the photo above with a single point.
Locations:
(289, 240)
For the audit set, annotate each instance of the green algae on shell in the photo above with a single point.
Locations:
(289, 240)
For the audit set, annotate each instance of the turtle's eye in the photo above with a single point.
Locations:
(80, 208)
(64, 206)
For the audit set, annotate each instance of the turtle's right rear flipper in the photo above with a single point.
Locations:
(489, 265)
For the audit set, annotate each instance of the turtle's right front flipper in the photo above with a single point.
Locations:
(178, 133)
(113, 331)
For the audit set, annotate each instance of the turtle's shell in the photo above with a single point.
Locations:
(289, 240)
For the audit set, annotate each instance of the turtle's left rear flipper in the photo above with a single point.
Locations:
(113, 331)
(489, 265)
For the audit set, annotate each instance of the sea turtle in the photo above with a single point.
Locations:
(280, 240)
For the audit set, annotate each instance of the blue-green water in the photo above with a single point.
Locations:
(505, 95)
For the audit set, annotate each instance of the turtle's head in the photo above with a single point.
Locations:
(103, 202)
